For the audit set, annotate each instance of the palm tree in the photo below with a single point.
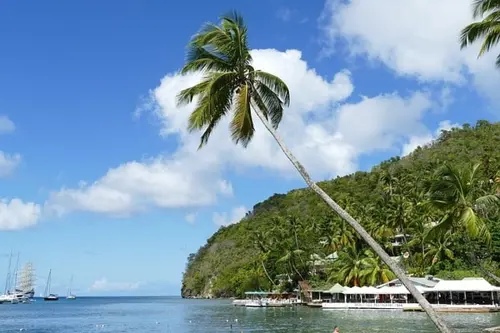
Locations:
(488, 29)
(262, 244)
(439, 249)
(465, 205)
(231, 85)
(349, 266)
(339, 235)
(374, 270)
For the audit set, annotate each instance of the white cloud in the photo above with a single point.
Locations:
(413, 37)
(425, 139)
(8, 163)
(134, 186)
(325, 135)
(377, 123)
(6, 125)
(103, 285)
(224, 219)
(190, 218)
(16, 214)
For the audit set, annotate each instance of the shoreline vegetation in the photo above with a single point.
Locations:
(293, 237)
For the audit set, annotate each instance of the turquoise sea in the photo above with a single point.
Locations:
(170, 314)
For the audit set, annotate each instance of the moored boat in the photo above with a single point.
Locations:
(48, 296)
(70, 295)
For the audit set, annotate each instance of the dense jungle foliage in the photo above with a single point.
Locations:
(443, 200)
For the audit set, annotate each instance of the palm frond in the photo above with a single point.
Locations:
(481, 7)
(214, 92)
(472, 223)
(443, 226)
(212, 106)
(473, 32)
(187, 95)
(199, 59)
(234, 23)
(242, 128)
(273, 104)
(216, 40)
(491, 39)
(275, 84)
(487, 203)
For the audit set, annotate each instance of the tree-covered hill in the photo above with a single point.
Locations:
(294, 237)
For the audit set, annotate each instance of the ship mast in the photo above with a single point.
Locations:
(15, 273)
(7, 280)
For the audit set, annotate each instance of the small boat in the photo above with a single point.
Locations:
(70, 296)
(47, 295)
(51, 297)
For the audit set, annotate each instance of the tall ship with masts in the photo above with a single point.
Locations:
(19, 285)
(25, 286)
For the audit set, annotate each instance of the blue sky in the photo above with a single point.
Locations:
(100, 179)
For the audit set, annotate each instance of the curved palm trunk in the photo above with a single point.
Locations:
(440, 324)
(267, 273)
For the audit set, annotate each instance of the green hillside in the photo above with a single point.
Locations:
(292, 237)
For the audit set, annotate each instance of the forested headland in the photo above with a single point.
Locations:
(435, 211)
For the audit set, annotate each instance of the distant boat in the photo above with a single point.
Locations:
(70, 295)
(47, 295)
(25, 289)
(18, 286)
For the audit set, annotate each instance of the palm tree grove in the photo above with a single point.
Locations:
(434, 212)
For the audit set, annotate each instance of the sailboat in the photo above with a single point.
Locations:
(70, 295)
(47, 295)
(6, 297)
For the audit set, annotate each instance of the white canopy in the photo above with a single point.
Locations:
(467, 284)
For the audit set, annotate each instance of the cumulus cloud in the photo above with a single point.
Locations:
(377, 123)
(417, 38)
(8, 163)
(16, 214)
(224, 219)
(6, 125)
(103, 285)
(134, 186)
(427, 138)
(325, 133)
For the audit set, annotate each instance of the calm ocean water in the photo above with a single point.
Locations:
(143, 314)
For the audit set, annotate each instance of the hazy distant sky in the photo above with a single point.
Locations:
(100, 178)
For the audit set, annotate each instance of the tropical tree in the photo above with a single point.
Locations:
(231, 85)
(487, 29)
(439, 249)
(465, 205)
(339, 235)
(348, 268)
(261, 242)
(374, 270)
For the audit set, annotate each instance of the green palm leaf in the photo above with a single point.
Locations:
(487, 29)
